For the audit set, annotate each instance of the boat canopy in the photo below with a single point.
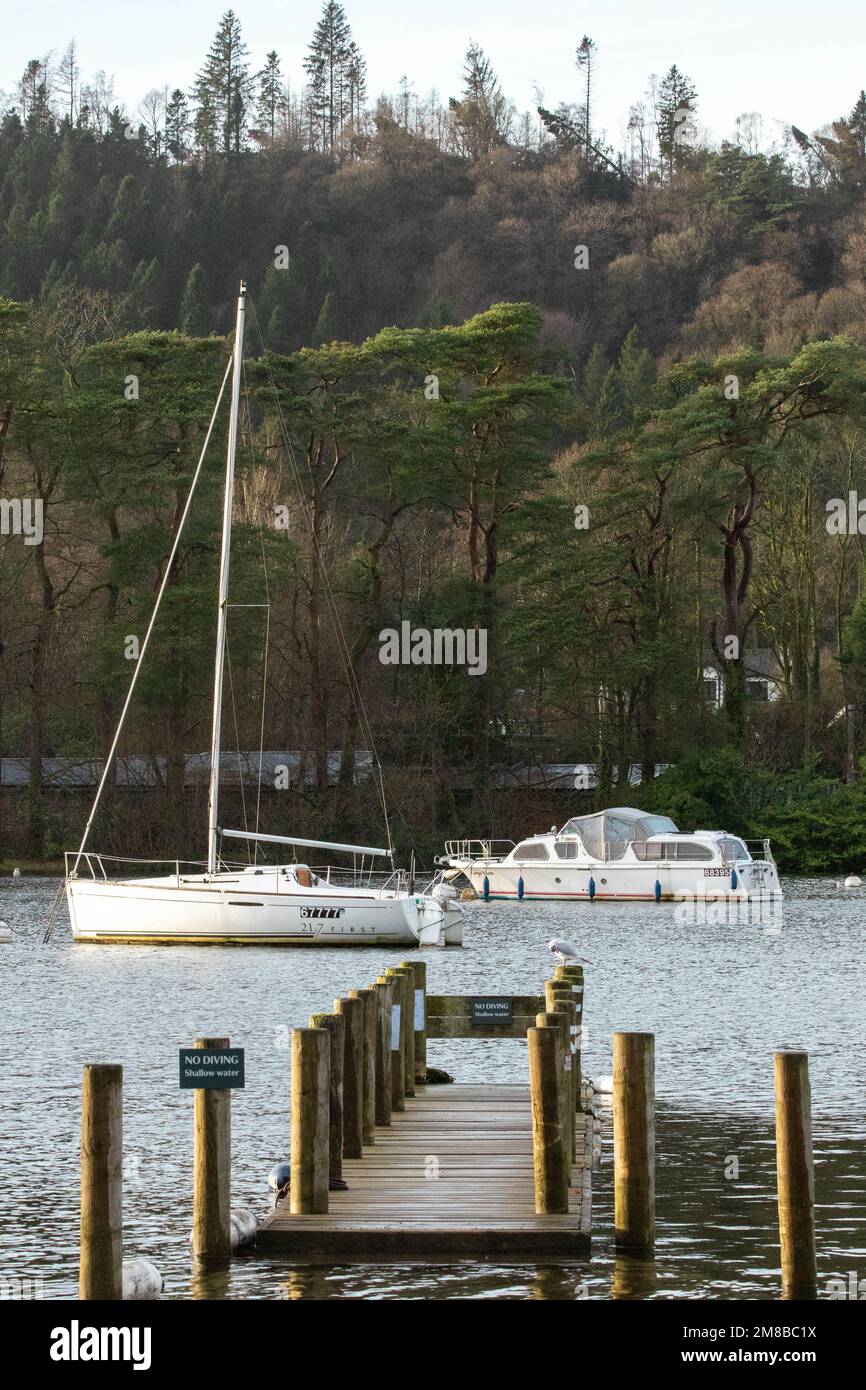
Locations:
(607, 834)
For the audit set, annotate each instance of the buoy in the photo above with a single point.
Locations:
(733, 879)
(603, 1085)
(5, 932)
(485, 889)
(520, 887)
(141, 1280)
(16, 873)
(591, 888)
(852, 881)
(468, 895)
(242, 1228)
(658, 891)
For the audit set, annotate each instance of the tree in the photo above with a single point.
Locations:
(331, 57)
(69, 78)
(178, 126)
(223, 89)
(586, 64)
(483, 115)
(676, 103)
(270, 97)
(193, 316)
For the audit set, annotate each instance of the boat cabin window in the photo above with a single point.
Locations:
(686, 849)
(734, 849)
(531, 851)
(567, 849)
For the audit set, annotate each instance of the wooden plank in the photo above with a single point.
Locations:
(450, 1178)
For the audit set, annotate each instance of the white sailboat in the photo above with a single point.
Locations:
(225, 902)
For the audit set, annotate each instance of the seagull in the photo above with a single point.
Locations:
(279, 1180)
(564, 951)
(16, 872)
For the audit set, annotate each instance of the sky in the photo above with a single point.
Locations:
(791, 60)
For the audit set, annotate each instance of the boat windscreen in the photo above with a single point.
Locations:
(607, 834)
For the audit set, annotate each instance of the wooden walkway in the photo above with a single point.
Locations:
(450, 1178)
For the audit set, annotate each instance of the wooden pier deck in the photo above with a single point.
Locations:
(450, 1178)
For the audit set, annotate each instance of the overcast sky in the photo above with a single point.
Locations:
(792, 60)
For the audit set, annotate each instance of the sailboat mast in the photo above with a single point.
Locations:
(222, 611)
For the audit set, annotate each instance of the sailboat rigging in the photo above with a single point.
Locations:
(222, 902)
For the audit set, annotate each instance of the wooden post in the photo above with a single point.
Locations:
(100, 1274)
(573, 975)
(398, 1053)
(368, 1065)
(634, 1140)
(560, 1023)
(795, 1174)
(311, 1049)
(407, 1024)
(335, 1024)
(383, 1051)
(565, 1008)
(353, 1076)
(548, 1146)
(212, 1168)
(419, 972)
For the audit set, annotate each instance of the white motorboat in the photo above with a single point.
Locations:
(222, 901)
(621, 854)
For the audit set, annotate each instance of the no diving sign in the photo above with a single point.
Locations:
(204, 1070)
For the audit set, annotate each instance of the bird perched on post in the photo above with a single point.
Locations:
(565, 952)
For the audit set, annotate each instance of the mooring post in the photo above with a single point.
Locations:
(311, 1048)
(398, 1045)
(795, 1174)
(335, 1024)
(550, 1165)
(565, 1008)
(560, 991)
(419, 1010)
(634, 1140)
(212, 1168)
(100, 1274)
(572, 975)
(353, 1076)
(383, 1051)
(559, 1021)
(407, 1026)
(368, 1063)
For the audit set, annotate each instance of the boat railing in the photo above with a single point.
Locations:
(478, 849)
(760, 849)
(95, 865)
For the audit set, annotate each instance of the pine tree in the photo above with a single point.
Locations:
(594, 373)
(586, 64)
(331, 57)
(637, 370)
(270, 97)
(143, 301)
(177, 126)
(223, 87)
(483, 115)
(676, 102)
(611, 412)
(325, 330)
(192, 317)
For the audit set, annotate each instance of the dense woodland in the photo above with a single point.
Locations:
(499, 374)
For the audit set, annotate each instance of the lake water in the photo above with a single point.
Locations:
(719, 999)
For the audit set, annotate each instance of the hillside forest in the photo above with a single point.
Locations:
(604, 404)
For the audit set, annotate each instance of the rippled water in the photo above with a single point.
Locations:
(720, 1000)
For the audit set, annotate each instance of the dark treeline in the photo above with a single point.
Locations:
(624, 388)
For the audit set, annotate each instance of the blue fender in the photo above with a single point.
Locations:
(591, 888)
(485, 889)
(520, 888)
(658, 891)
(733, 878)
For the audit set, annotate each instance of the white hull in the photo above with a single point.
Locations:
(229, 908)
(620, 882)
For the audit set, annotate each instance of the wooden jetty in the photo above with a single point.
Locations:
(447, 1172)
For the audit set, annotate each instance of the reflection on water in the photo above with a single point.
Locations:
(720, 1000)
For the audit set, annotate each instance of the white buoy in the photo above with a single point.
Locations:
(242, 1228)
(5, 932)
(16, 872)
(603, 1085)
(852, 881)
(141, 1280)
